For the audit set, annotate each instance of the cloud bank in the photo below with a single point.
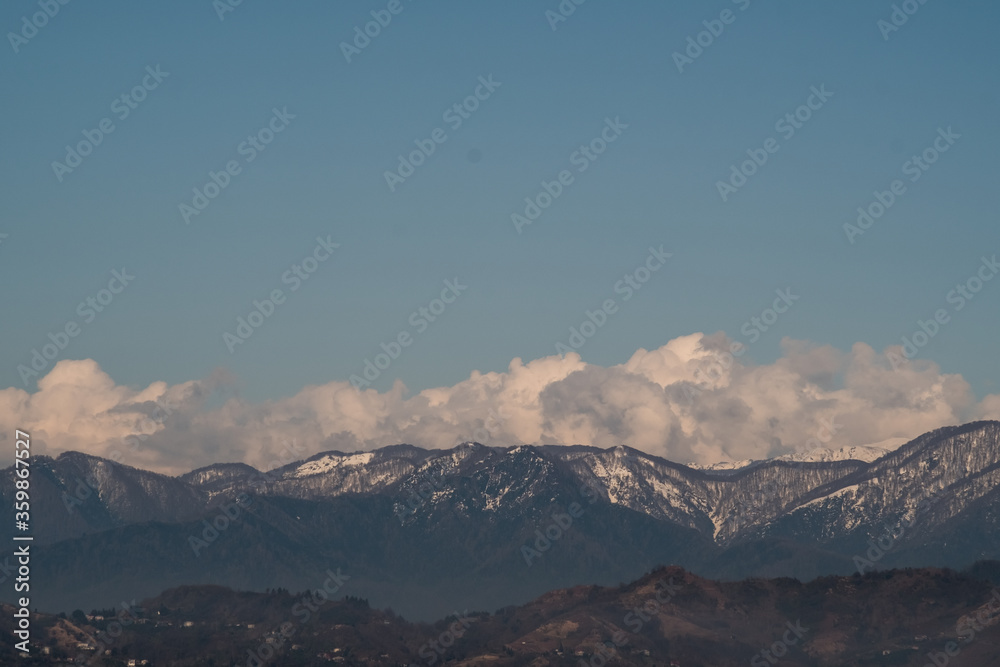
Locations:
(688, 401)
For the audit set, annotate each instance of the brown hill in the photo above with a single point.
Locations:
(670, 616)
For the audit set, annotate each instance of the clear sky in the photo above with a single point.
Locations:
(323, 175)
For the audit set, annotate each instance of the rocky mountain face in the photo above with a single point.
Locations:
(480, 527)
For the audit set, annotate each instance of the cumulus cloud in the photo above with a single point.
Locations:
(691, 400)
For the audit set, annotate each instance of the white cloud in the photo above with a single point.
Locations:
(740, 411)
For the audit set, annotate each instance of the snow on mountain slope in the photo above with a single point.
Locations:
(934, 478)
(723, 466)
(729, 505)
(822, 495)
(866, 453)
(330, 462)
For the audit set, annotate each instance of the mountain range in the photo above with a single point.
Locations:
(428, 532)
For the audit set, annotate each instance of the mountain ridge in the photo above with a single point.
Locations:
(442, 521)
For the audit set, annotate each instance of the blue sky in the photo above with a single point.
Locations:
(323, 175)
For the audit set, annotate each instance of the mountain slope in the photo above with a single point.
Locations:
(905, 618)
